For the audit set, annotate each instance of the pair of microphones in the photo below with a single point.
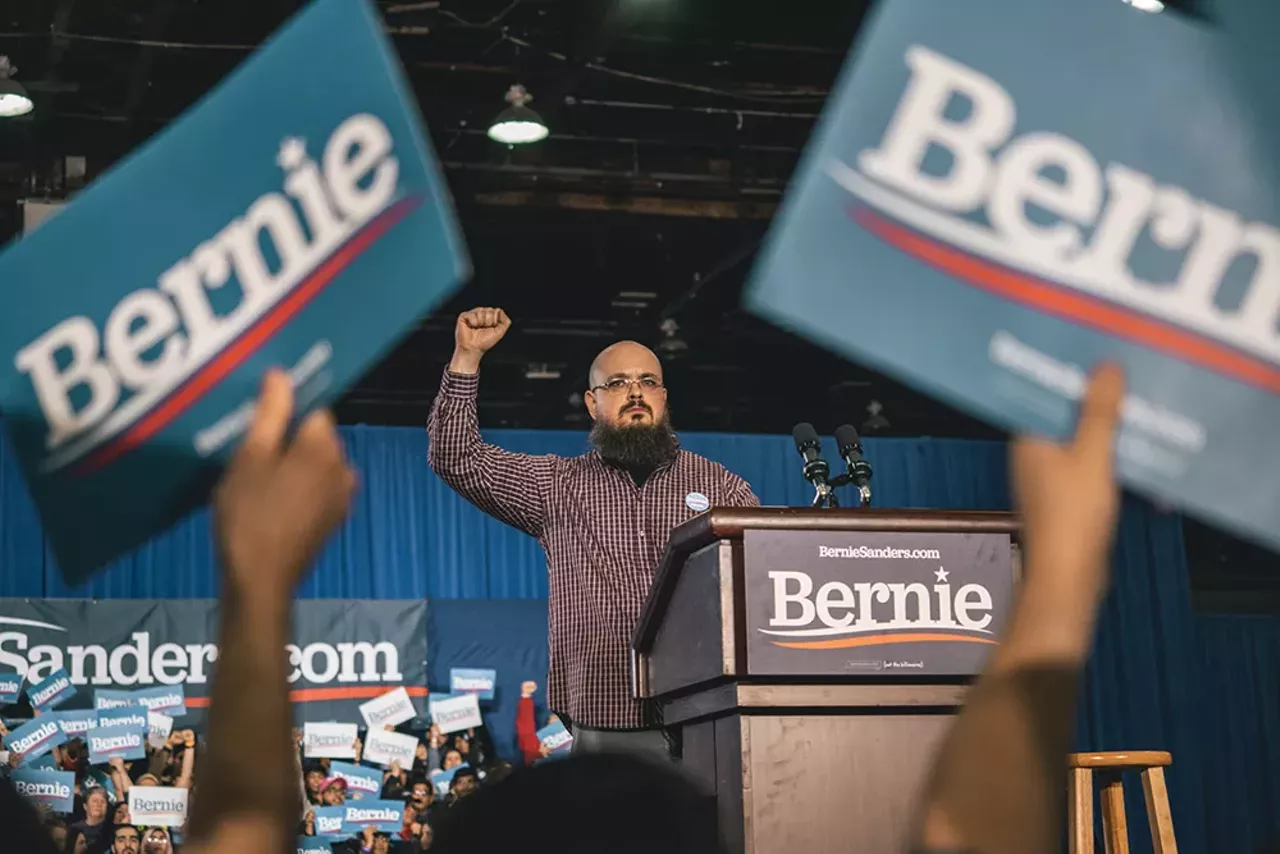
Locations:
(817, 472)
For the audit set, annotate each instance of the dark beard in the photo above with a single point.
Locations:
(636, 446)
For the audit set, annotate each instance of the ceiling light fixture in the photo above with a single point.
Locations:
(1152, 6)
(14, 100)
(517, 124)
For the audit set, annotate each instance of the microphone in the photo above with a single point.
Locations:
(859, 470)
(816, 470)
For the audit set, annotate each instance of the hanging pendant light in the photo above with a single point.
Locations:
(14, 100)
(517, 124)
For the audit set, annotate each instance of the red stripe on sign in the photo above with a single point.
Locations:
(239, 350)
(318, 695)
(1076, 307)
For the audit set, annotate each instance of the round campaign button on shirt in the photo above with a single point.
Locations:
(697, 502)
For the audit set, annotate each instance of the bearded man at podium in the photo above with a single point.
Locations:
(603, 519)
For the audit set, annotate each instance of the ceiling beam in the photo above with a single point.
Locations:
(645, 205)
(59, 23)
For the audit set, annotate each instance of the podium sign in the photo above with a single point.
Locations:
(891, 603)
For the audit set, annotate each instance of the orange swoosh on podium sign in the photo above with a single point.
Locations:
(881, 640)
(315, 695)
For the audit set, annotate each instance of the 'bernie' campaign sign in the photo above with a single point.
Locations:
(1001, 195)
(294, 218)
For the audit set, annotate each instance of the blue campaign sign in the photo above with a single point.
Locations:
(555, 738)
(41, 763)
(329, 821)
(295, 217)
(314, 845)
(116, 742)
(56, 789)
(134, 717)
(1001, 195)
(361, 781)
(112, 698)
(442, 780)
(383, 816)
(74, 724)
(10, 686)
(51, 691)
(469, 680)
(34, 739)
(168, 700)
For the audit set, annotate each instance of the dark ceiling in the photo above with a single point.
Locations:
(675, 125)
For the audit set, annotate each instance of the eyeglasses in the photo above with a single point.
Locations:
(618, 384)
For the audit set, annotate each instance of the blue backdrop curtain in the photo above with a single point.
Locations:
(410, 537)
(1240, 657)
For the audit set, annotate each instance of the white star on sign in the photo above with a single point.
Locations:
(292, 152)
(941, 574)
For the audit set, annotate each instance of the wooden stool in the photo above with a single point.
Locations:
(1115, 829)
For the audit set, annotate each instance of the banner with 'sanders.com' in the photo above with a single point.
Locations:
(343, 652)
(294, 218)
(1001, 194)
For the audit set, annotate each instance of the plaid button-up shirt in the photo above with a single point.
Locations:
(602, 534)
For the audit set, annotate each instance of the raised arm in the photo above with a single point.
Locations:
(999, 781)
(510, 487)
(278, 503)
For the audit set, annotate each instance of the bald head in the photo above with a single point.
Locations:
(625, 358)
(636, 395)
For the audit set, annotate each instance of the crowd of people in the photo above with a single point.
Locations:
(100, 821)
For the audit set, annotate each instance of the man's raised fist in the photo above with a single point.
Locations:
(479, 329)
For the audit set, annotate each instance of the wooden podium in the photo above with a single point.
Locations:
(812, 660)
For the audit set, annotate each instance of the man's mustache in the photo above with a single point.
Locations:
(631, 406)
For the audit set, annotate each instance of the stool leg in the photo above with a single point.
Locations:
(1158, 812)
(1080, 811)
(1115, 828)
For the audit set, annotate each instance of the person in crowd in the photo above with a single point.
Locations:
(619, 802)
(603, 518)
(120, 813)
(422, 799)
(74, 757)
(57, 830)
(126, 840)
(464, 783)
(422, 764)
(333, 792)
(314, 776)
(96, 823)
(394, 781)
(435, 748)
(77, 843)
(452, 759)
(423, 840)
(156, 840)
(409, 822)
(527, 725)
